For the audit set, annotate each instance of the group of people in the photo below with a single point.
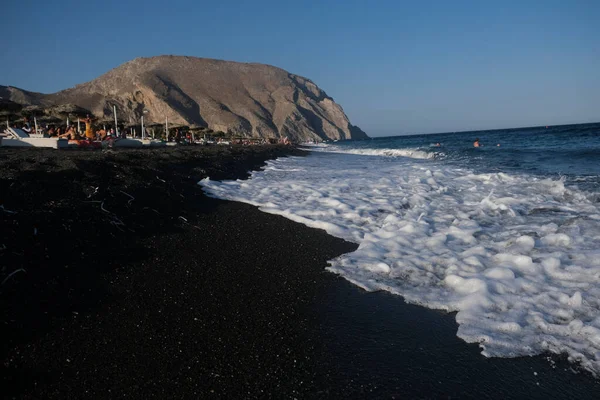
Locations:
(71, 132)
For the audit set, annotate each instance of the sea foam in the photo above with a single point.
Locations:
(517, 256)
(383, 152)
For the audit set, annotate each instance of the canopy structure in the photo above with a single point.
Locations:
(108, 121)
(9, 111)
(198, 128)
(111, 119)
(8, 118)
(9, 107)
(49, 119)
(176, 126)
(68, 110)
(32, 110)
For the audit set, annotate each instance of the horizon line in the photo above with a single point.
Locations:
(492, 129)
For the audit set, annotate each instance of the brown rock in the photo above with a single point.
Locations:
(243, 99)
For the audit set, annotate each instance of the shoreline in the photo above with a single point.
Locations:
(176, 294)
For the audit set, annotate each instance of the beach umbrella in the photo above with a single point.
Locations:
(11, 116)
(176, 126)
(9, 110)
(49, 119)
(68, 110)
(105, 121)
(197, 128)
(32, 110)
(7, 118)
(110, 121)
(9, 107)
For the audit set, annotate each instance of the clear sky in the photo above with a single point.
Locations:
(396, 67)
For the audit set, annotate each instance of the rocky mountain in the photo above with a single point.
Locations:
(243, 99)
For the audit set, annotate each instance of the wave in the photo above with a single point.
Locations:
(516, 255)
(384, 152)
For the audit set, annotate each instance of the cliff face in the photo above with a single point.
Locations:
(244, 99)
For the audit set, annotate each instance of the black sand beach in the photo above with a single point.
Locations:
(132, 283)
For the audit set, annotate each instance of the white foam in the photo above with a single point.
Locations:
(409, 153)
(517, 256)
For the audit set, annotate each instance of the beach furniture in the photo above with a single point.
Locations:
(15, 137)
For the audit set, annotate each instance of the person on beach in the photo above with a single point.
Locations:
(69, 134)
(89, 132)
(74, 134)
(109, 138)
(26, 127)
(476, 143)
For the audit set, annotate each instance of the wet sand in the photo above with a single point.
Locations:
(136, 284)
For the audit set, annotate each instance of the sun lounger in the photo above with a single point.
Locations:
(15, 137)
(16, 133)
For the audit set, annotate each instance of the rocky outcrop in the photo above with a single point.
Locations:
(243, 99)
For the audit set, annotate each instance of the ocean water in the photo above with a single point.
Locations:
(508, 236)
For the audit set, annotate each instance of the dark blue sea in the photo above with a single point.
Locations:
(567, 150)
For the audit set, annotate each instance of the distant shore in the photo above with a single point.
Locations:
(122, 279)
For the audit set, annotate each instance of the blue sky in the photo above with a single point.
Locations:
(396, 67)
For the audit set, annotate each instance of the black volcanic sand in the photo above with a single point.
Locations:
(136, 284)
